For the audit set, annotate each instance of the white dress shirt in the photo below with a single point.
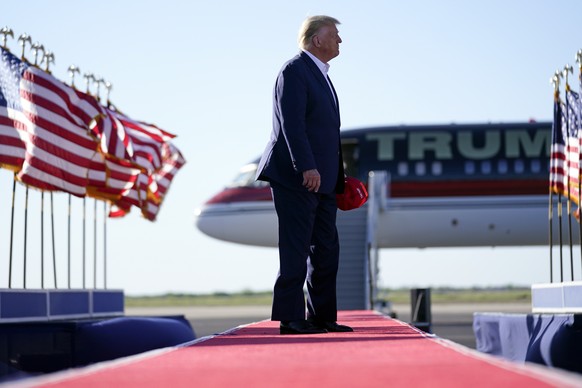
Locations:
(324, 67)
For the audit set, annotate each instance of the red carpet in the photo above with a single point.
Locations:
(381, 352)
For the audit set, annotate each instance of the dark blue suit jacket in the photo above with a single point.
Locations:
(306, 129)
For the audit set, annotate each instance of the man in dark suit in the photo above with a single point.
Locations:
(303, 163)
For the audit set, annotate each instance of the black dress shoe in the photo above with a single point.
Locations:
(300, 327)
(331, 326)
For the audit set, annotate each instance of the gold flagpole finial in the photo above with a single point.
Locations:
(48, 58)
(98, 81)
(88, 78)
(36, 47)
(72, 70)
(578, 58)
(108, 87)
(6, 32)
(567, 69)
(555, 81)
(22, 39)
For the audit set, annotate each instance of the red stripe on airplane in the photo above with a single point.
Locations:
(410, 190)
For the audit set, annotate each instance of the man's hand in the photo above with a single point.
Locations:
(311, 180)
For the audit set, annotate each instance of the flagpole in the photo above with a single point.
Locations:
(104, 244)
(36, 47)
(11, 232)
(48, 58)
(557, 178)
(550, 217)
(555, 80)
(25, 233)
(88, 78)
(84, 239)
(560, 211)
(568, 168)
(95, 243)
(72, 70)
(69, 243)
(97, 82)
(100, 81)
(42, 239)
(108, 87)
(23, 39)
(53, 241)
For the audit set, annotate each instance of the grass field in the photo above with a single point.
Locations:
(248, 298)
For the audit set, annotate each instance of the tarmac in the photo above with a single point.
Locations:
(453, 321)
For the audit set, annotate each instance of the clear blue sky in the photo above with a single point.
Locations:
(205, 70)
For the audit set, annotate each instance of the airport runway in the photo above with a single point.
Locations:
(451, 321)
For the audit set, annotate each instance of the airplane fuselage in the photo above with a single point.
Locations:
(449, 185)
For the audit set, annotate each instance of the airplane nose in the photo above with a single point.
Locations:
(230, 222)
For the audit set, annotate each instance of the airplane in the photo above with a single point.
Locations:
(456, 185)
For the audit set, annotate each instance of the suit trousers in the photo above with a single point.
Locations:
(308, 252)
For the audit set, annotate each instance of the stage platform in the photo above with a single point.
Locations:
(43, 331)
(35, 305)
(31, 348)
(557, 298)
(380, 352)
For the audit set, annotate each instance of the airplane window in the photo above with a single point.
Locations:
(469, 168)
(502, 167)
(519, 166)
(536, 166)
(246, 177)
(402, 168)
(241, 179)
(437, 168)
(351, 155)
(486, 167)
(420, 168)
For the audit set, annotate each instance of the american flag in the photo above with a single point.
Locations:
(146, 141)
(12, 122)
(158, 160)
(558, 150)
(109, 178)
(572, 128)
(52, 121)
(149, 191)
(112, 172)
(172, 163)
(57, 138)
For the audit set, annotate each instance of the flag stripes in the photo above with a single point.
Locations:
(12, 148)
(57, 138)
(565, 160)
(59, 147)
(558, 150)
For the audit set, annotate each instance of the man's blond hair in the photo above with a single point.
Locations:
(311, 26)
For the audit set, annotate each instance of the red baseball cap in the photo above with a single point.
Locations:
(354, 195)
